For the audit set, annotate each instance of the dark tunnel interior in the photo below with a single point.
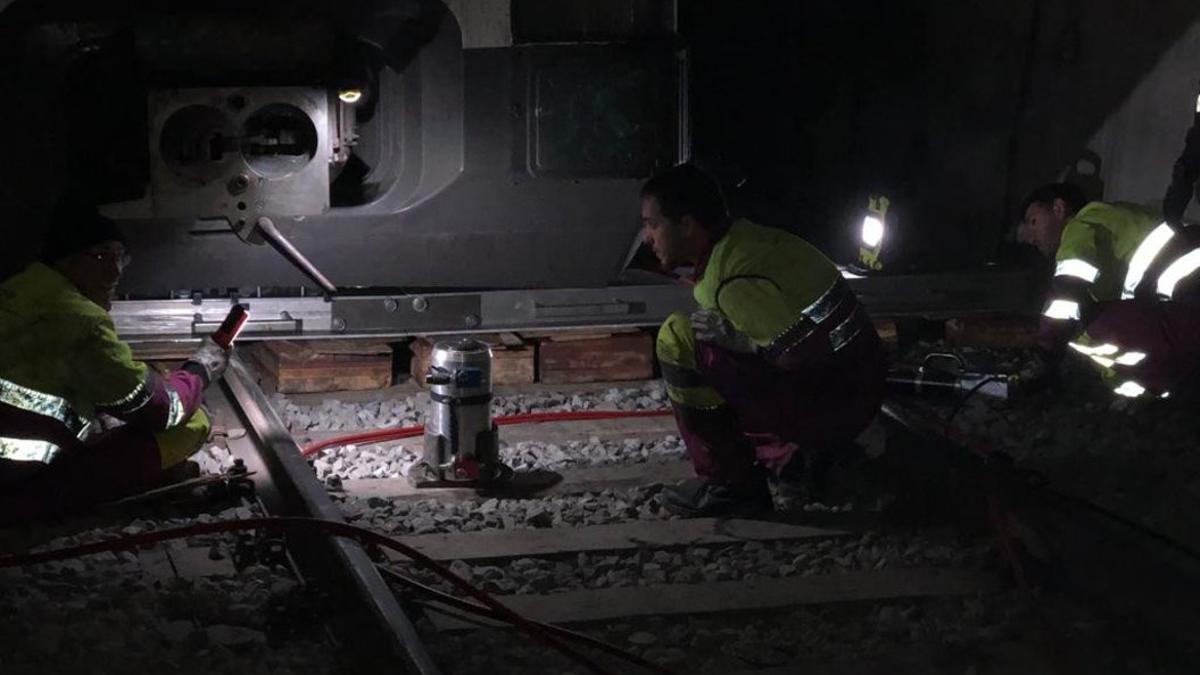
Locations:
(477, 337)
(802, 109)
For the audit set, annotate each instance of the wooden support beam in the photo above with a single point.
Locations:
(1006, 658)
(641, 428)
(524, 543)
(323, 365)
(409, 388)
(189, 562)
(730, 596)
(512, 363)
(575, 481)
(992, 332)
(617, 357)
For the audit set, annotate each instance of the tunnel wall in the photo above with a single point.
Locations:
(814, 104)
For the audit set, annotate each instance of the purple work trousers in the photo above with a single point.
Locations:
(120, 462)
(771, 414)
(1167, 332)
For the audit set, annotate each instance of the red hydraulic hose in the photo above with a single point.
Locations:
(397, 433)
(360, 534)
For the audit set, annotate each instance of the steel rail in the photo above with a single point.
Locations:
(432, 313)
(367, 617)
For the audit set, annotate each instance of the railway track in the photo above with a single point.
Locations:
(368, 618)
(553, 541)
(256, 600)
(597, 550)
(920, 586)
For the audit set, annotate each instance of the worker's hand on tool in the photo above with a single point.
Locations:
(212, 358)
(711, 326)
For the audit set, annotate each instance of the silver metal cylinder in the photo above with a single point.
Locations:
(460, 438)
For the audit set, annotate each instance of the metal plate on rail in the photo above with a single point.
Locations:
(407, 313)
(159, 320)
(932, 296)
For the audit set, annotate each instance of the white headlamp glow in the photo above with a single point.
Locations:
(872, 231)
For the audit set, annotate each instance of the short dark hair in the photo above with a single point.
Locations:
(1071, 194)
(686, 190)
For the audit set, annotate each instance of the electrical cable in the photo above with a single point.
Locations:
(963, 401)
(394, 434)
(362, 535)
(1142, 530)
(466, 606)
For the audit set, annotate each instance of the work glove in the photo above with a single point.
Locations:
(711, 326)
(212, 358)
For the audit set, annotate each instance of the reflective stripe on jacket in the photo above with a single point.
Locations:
(1110, 253)
(1101, 246)
(60, 357)
(783, 293)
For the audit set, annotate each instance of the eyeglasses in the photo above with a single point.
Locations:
(119, 258)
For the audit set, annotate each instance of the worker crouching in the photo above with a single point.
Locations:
(1124, 295)
(779, 365)
(62, 366)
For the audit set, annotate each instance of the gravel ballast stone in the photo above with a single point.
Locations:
(333, 414)
(109, 613)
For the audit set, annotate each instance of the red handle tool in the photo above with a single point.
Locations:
(231, 326)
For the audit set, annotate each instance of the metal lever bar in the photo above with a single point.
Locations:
(280, 243)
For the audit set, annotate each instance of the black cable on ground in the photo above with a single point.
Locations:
(479, 610)
(362, 535)
(1173, 544)
(963, 401)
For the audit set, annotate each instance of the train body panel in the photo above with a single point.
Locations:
(406, 146)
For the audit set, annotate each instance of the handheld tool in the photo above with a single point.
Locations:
(948, 378)
(229, 329)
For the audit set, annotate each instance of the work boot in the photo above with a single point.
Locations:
(832, 476)
(699, 498)
(824, 475)
(800, 481)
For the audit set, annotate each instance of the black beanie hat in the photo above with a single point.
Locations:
(75, 226)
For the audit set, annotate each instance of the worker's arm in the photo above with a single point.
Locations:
(129, 390)
(785, 338)
(1062, 315)
(1070, 302)
(1184, 174)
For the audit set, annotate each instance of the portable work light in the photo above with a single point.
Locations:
(873, 233)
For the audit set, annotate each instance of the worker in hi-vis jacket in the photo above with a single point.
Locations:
(62, 365)
(1124, 293)
(780, 363)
